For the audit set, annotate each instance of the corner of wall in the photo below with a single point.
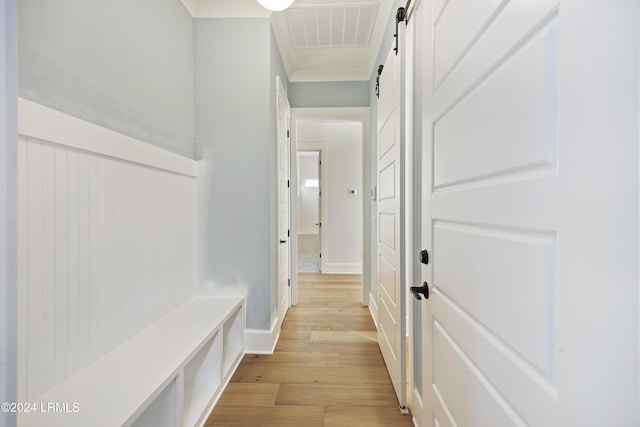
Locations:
(8, 208)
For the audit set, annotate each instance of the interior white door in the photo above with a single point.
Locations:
(391, 242)
(530, 153)
(319, 226)
(282, 136)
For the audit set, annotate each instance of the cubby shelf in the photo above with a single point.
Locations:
(170, 374)
(233, 341)
(202, 378)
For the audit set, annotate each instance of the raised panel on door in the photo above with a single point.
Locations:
(507, 285)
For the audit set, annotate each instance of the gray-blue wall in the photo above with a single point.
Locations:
(124, 65)
(235, 66)
(329, 94)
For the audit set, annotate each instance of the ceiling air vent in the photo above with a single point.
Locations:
(332, 25)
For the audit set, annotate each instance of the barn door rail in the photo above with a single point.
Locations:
(401, 16)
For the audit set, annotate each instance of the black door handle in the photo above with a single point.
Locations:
(283, 241)
(417, 290)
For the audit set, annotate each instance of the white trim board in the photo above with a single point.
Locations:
(357, 114)
(261, 341)
(44, 123)
(343, 268)
(373, 309)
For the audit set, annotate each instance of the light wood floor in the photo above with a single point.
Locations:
(327, 369)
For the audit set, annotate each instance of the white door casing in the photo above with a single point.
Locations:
(529, 157)
(323, 149)
(413, 217)
(356, 114)
(391, 241)
(320, 204)
(282, 137)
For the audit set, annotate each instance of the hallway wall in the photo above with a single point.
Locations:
(235, 126)
(133, 68)
(329, 94)
(126, 66)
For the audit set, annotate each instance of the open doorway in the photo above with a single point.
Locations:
(309, 208)
(341, 137)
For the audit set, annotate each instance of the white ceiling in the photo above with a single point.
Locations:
(320, 40)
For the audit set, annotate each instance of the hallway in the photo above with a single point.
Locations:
(327, 369)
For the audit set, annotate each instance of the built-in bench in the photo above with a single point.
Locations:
(170, 374)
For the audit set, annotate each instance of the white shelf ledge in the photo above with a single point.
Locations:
(117, 388)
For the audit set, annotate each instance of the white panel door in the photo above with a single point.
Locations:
(391, 295)
(282, 136)
(530, 153)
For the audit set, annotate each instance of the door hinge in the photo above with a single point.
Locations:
(320, 255)
(288, 233)
(289, 282)
(288, 183)
(287, 133)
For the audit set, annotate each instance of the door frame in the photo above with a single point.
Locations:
(321, 149)
(355, 114)
(413, 182)
(281, 94)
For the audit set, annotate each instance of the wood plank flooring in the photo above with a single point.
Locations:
(327, 369)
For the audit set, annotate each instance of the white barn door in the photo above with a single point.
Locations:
(282, 137)
(391, 242)
(530, 213)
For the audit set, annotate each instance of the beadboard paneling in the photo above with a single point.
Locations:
(106, 247)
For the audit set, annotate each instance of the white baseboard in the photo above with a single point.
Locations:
(342, 268)
(261, 341)
(373, 309)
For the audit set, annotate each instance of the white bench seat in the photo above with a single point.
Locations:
(171, 373)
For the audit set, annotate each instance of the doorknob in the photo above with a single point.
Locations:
(417, 290)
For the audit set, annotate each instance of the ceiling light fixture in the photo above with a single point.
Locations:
(275, 5)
